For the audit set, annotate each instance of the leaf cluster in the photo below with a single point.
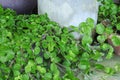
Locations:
(33, 47)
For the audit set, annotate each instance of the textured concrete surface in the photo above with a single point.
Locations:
(99, 75)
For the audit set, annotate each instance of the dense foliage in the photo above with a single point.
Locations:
(32, 47)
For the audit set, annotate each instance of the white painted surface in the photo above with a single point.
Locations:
(69, 12)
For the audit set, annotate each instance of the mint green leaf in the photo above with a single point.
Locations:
(101, 38)
(113, 9)
(41, 69)
(16, 73)
(105, 46)
(67, 63)
(27, 69)
(31, 63)
(90, 22)
(25, 77)
(72, 54)
(18, 77)
(55, 59)
(108, 30)
(117, 67)
(86, 40)
(10, 55)
(56, 75)
(118, 26)
(53, 67)
(84, 65)
(110, 53)
(3, 59)
(70, 74)
(1, 10)
(99, 66)
(85, 55)
(97, 55)
(109, 70)
(69, 57)
(29, 66)
(37, 50)
(116, 40)
(51, 46)
(39, 60)
(48, 76)
(85, 29)
(100, 29)
(33, 69)
(47, 55)
(17, 66)
(65, 30)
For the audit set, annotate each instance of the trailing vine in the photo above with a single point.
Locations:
(34, 47)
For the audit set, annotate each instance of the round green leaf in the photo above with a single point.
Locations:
(41, 69)
(39, 60)
(47, 76)
(86, 40)
(25, 77)
(101, 38)
(84, 65)
(36, 50)
(118, 26)
(100, 29)
(116, 40)
(28, 69)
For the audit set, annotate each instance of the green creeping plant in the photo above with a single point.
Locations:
(34, 47)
